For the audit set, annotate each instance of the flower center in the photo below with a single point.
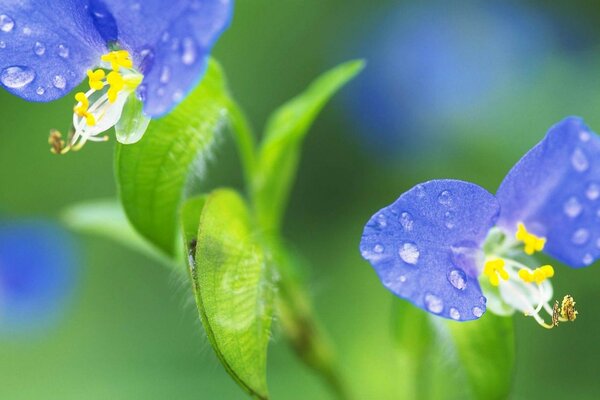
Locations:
(100, 108)
(510, 280)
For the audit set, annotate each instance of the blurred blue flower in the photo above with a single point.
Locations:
(432, 64)
(155, 48)
(37, 275)
(442, 239)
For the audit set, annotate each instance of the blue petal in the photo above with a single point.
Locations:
(425, 246)
(37, 272)
(46, 48)
(555, 190)
(170, 43)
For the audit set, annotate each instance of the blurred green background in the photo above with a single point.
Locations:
(131, 329)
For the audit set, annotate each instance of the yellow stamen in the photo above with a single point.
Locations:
(82, 109)
(494, 270)
(538, 275)
(95, 79)
(118, 59)
(532, 242)
(115, 80)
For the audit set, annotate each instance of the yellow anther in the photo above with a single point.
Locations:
(118, 59)
(532, 242)
(115, 80)
(567, 309)
(494, 270)
(82, 109)
(95, 79)
(538, 275)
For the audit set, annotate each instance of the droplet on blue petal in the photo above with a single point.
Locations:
(588, 259)
(17, 77)
(178, 95)
(165, 74)
(483, 300)
(2, 44)
(454, 314)
(433, 303)
(378, 248)
(477, 311)
(572, 207)
(579, 160)
(175, 44)
(165, 37)
(189, 51)
(381, 220)
(40, 90)
(160, 91)
(63, 51)
(458, 279)
(584, 136)
(449, 219)
(39, 48)
(593, 191)
(6, 23)
(27, 31)
(402, 278)
(59, 82)
(580, 236)
(406, 220)
(409, 253)
(445, 198)
(420, 191)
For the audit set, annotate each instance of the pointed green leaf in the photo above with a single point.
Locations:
(152, 174)
(232, 286)
(280, 151)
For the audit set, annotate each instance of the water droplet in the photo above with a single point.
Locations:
(175, 44)
(40, 90)
(59, 82)
(2, 44)
(27, 31)
(482, 300)
(433, 303)
(6, 23)
(406, 220)
(63, 51)
(165, 74)
(458, 279)
(584, 136)
(593, 191)
(445, 198)
(588, 259)
(420, 191)
(454, 314)
(17, 77)
(378, 248)
(402, 278)
(572, 207)
(189, 51)
(449, 219)
(178, 95)
(160, 91)
(381, 220)
(165, 37)
(409, 253)
(39, 48)
(579, 160)
(580, 236)
(477, 311)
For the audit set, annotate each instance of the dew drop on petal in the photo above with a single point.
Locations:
(178, 95)
(593, 191)
(477, 311)
(165, 37)
(402, 278)
(6, 23)
(445, 198)
(579, 160)
(188, 56)
(16, 77)
(584, 136)
(27, 31)
(40, 90)
(580, 236)
(572, 207)
(406, 220)
(588, 259)
(165, 74)
(458, 279)
(433, 303)
(454, 314)
(59, 82)
(63, 51)
(2, 44)
(409, 253)
(39, 49)
(449, 220)
(378, 248)
(482, 300)
(420, 191)
(382, 221)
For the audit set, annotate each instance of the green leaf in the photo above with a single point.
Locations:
(105, 218)
(441, 358)
(133, 123)
(152, 174)
(280, 150)
(232, 285)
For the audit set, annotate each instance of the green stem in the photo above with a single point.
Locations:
(245, 141)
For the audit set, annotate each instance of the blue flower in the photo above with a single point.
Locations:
(37, 274)
(453, 249)
(153, 48)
